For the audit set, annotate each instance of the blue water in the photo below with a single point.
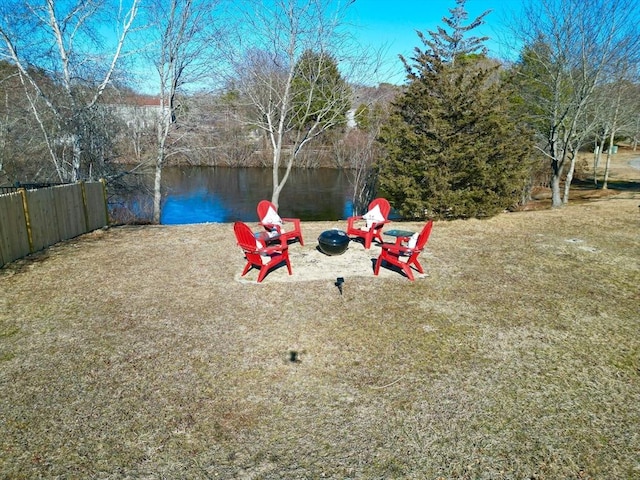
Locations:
(199, 206)
(222, 195)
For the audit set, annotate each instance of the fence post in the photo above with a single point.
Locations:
(27, 219)
(85, 207)
(104, 195)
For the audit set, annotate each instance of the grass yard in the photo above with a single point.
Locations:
(138, 352)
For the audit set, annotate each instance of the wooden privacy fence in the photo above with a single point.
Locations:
(31, 220)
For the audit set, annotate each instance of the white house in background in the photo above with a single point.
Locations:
(351, 119)
(139, 112)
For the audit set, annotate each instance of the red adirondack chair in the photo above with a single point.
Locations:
(258, 255)
(394, 253)
(289, 228)
(375, 218)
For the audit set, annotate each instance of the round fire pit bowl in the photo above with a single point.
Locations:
(333, 242)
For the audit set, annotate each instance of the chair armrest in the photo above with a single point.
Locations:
(398, 249)
(278, 248)
(295, 221)
(351, 220)
(271, 226)
(378, 225)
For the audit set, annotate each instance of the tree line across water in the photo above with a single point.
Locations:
(466, 135)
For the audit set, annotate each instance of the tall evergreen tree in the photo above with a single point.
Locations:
(452, 150)
(314, 85)
(449, 45)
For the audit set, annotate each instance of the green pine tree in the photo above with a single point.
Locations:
(318, 88)
(452, 148)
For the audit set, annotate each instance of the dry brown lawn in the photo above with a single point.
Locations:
(139, 352)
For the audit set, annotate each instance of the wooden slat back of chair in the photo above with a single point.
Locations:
(383, 205)
(263, 208)
(424, 235)
(244, 237)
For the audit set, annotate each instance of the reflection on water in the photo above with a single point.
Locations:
(195, 207)
(220, 194)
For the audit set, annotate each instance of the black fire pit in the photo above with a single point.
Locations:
(333, 242)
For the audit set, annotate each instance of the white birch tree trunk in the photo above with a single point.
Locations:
(273, 38)
(62, 28)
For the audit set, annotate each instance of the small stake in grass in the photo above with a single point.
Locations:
(339, 282)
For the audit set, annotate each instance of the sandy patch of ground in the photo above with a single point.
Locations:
(308, 263)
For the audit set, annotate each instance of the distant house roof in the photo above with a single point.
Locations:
(138, 110)
(142, 100)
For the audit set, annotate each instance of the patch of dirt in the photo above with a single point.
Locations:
(309, 263)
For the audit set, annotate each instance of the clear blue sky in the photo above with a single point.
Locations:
(392, 25)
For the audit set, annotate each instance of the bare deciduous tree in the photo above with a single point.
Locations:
(266, 59)
(622, 109)
(180, 39)
(358, 150)
(64, 65)
(571, 45)
(634, 126)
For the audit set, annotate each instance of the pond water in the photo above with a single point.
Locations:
(221, 194)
